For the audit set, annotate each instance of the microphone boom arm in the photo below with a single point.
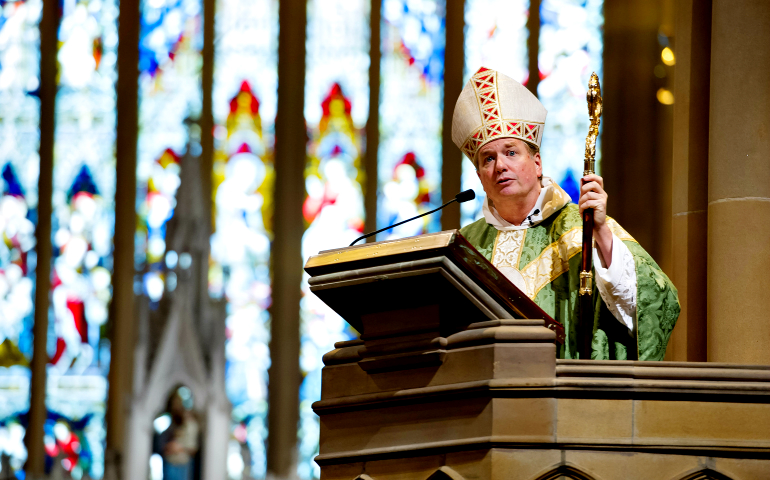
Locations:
(460, 197)
(400, 223)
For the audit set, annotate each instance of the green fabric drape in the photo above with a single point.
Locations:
(550, 260)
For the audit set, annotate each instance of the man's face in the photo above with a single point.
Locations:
(507, 171)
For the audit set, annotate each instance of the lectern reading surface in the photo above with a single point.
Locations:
(441, 275)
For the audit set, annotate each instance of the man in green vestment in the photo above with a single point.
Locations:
(533, 234)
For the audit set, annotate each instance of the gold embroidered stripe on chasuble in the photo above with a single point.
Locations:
(552, 261)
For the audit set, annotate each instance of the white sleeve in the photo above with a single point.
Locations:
(617, 284)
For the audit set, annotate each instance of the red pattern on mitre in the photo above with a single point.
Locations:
(493, 106)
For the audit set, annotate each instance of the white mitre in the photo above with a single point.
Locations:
(493, 106)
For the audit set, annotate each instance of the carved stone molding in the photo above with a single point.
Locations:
(566, 471)
(705, 474)
(445, 473)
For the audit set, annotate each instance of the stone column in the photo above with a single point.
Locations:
(636, 151)
(739, 183)
(690, 178)
(122, 312)
(373, 123)
(33, 440)
(452, 158)
(290, 142)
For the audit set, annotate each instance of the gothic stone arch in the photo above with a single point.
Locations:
(565, 472)
(705, 474)
(445, 473)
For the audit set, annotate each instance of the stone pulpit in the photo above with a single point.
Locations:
(455, 376)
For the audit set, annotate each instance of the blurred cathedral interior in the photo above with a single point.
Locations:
(168, 166)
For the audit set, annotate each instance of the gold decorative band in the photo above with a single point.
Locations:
(523, 130)
(585, 283)
(554, 259)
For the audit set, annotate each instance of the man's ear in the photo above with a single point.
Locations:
(538, 164)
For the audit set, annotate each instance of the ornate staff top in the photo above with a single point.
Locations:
(594, 98)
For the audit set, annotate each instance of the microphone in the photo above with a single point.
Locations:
(459, 198)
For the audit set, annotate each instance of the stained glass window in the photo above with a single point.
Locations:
(82, 231)
(570, 49)
(495, 37)
(411, 99)
(170, 44)
(19, 167)
(244, 107)
(336, 111)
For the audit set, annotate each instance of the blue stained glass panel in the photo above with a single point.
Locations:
(571, 43)
(82, 230)
(244, 107)
(411, 108)
(495, 37)
(336, 111)
(19, 168)
(170, 59)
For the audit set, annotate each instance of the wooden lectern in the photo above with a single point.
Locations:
(412, 300)
(455, 377)
(434, 281)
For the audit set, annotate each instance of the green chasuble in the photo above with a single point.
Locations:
(548, 257)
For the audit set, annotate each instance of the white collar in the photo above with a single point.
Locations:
(551, 199)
